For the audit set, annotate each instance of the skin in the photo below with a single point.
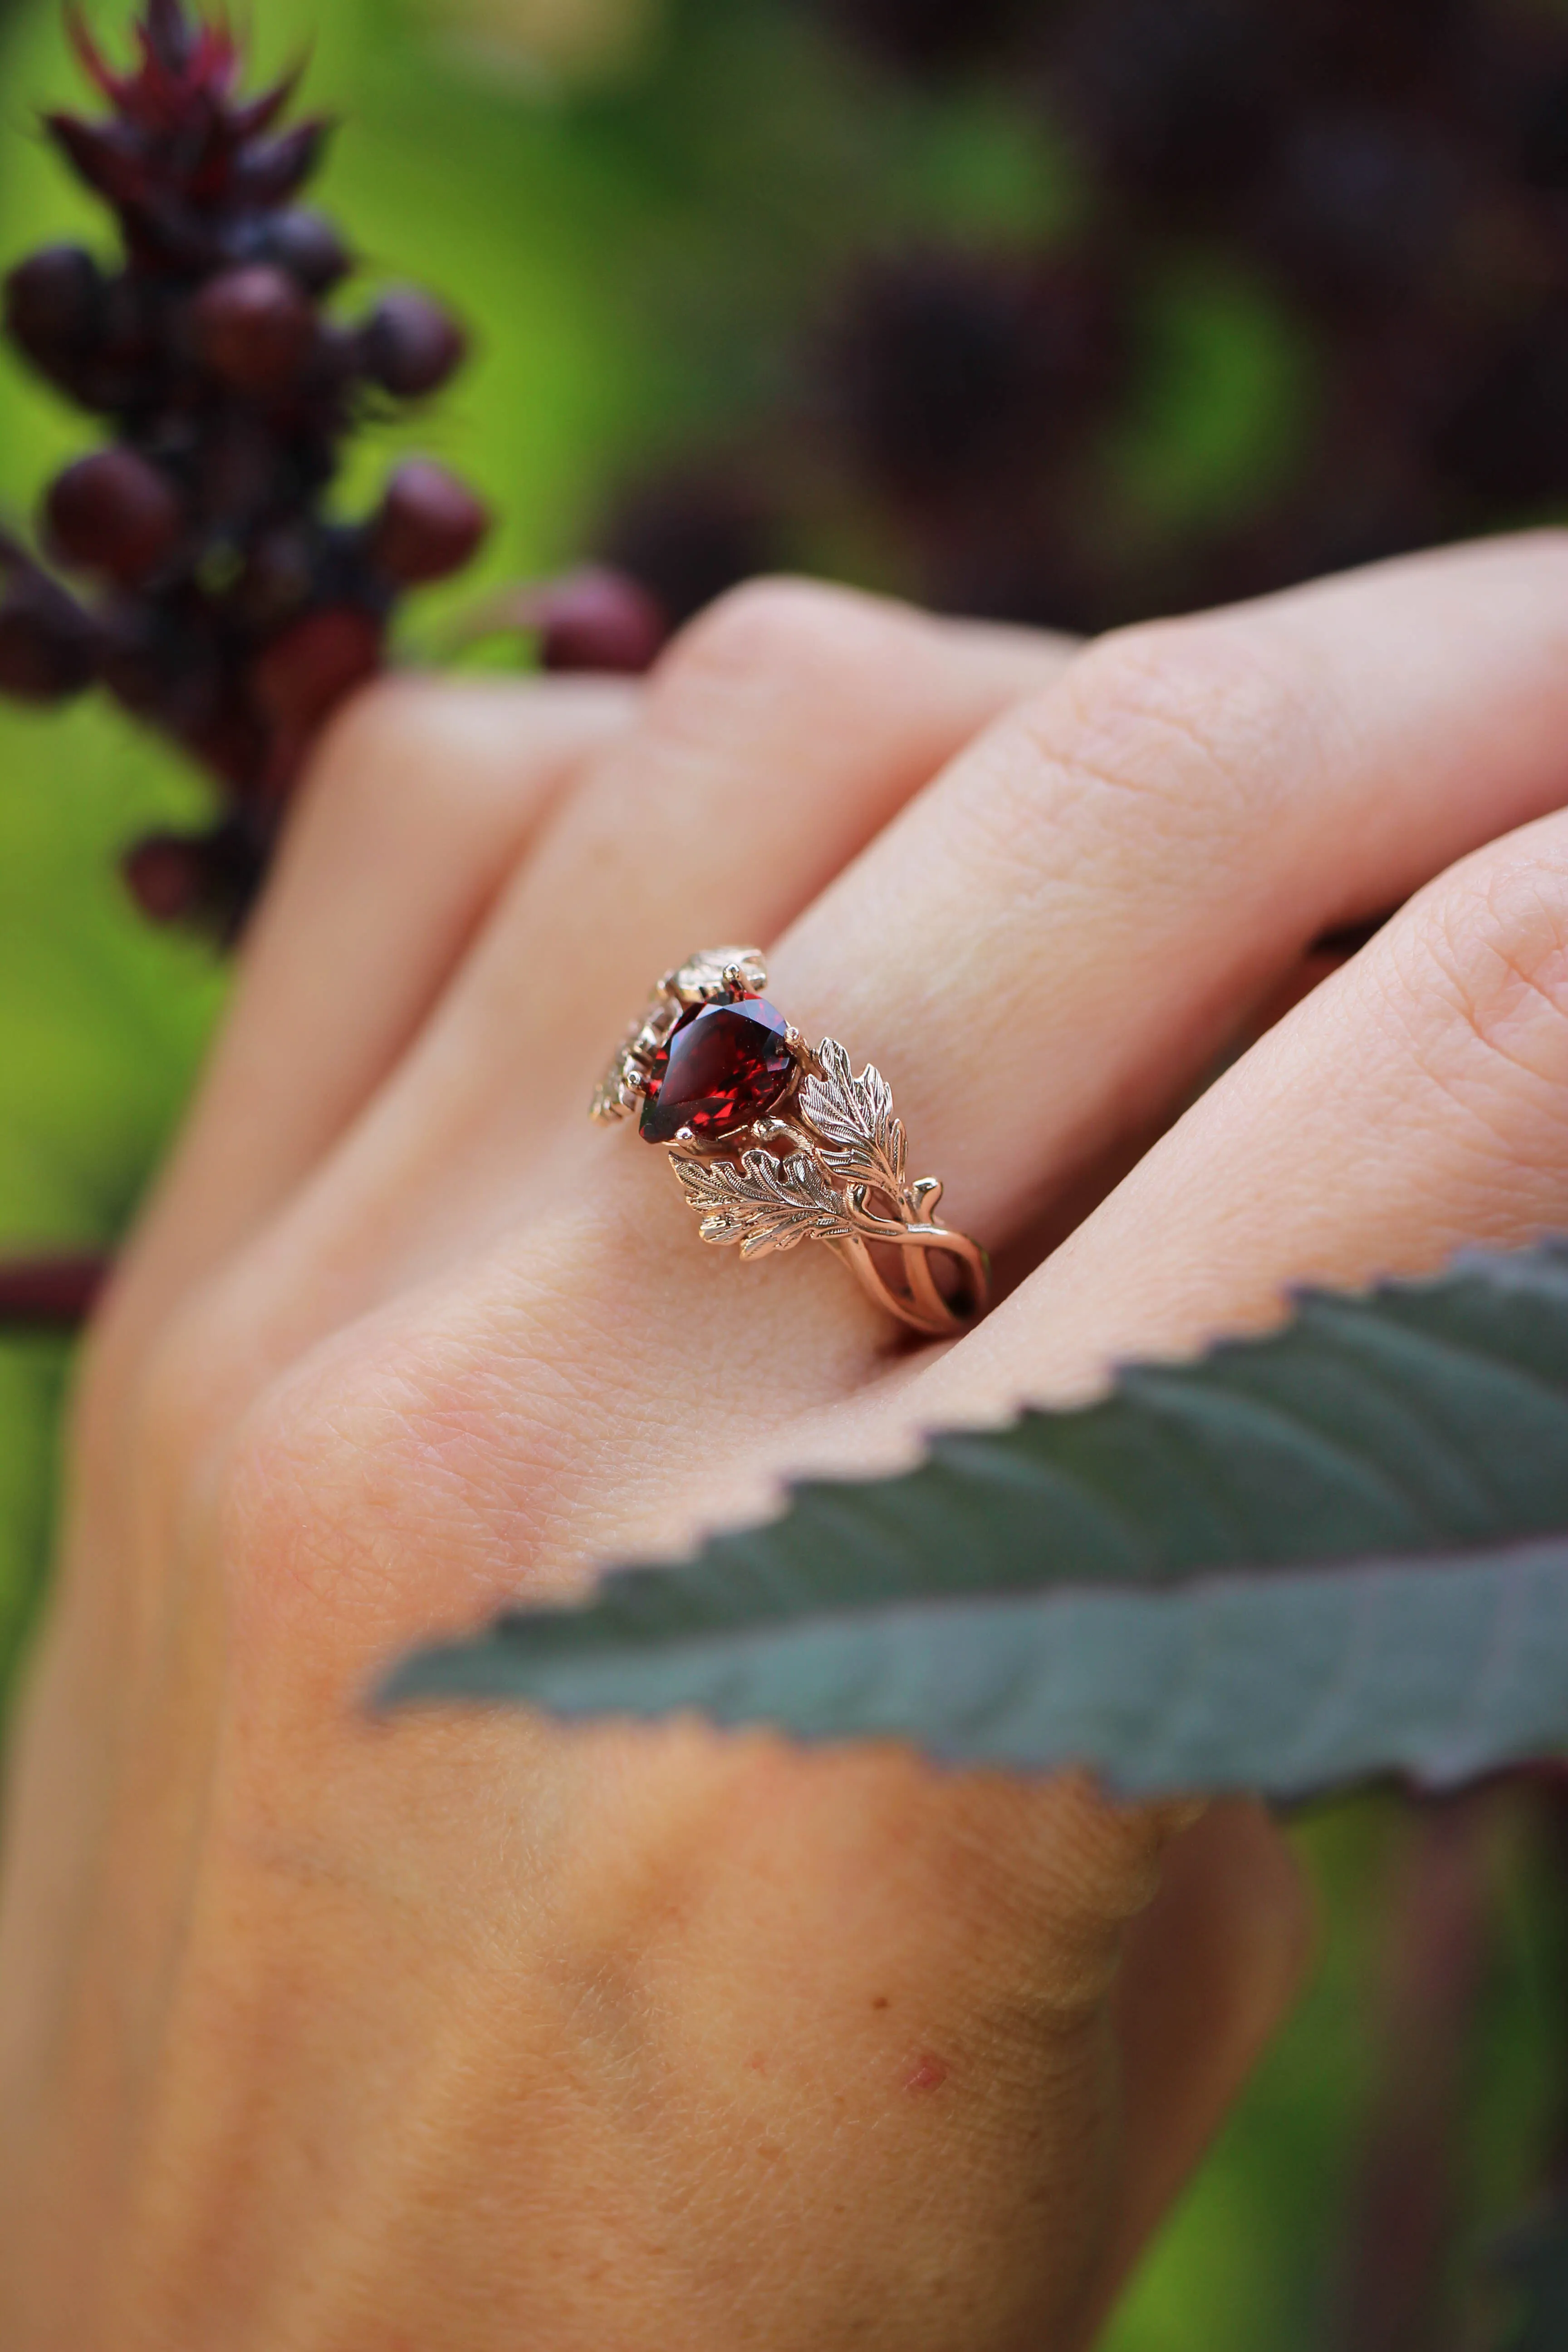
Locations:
(461, 2030)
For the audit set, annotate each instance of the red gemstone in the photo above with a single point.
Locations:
(725, 1065)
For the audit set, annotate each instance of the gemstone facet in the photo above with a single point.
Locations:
(725, 1065)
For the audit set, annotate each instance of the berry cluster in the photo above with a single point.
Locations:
(1392, 179)
(223, 604)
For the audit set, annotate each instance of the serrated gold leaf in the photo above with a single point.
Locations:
(765, 1203)
(856, 1119)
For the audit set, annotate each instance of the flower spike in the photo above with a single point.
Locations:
(224, 604)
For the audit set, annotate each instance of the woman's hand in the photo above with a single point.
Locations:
(463, 2031)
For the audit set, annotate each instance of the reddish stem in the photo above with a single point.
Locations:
(50, 1294)
(1408, 2202)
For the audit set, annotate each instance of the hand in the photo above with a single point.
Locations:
(459, 2030)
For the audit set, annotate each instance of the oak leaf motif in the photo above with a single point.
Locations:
(765, 1203)
(855, 1117)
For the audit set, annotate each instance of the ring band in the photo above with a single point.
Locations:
(776, 1142)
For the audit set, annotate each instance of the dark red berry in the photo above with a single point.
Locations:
(310, 249)
(304, 673)
(596, 619)
(686, 536)
(253, 327)
(114, 512)
(409, 345)
(206, 881)
(428, 526)
(53, 302)
(165, 876)
(46, 651)
(280, 576)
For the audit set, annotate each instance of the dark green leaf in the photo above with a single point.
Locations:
(1337, 1551)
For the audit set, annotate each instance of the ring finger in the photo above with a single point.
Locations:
(1416, 1102)
(1045, 945)
(1052, 943)
(781, 732)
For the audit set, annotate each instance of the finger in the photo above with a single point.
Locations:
(1049, 946)
(1032, 981)
(779, 735)
(420, 801)
(1417, 1101)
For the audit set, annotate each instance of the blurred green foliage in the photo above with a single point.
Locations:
(639, 257)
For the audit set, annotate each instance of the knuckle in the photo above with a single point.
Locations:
(184, 1375)
(312, 1481)
(767, 633)
(1485, 959)
(272, 1471)
(410, 749)
(370, 734)
(416, 764)
(188, 1383)
(1202, 722)
(382, 773)
(364, 1496)
(311, 1518)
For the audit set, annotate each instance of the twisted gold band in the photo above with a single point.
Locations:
(776, 1142)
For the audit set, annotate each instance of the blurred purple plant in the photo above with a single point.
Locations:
(223, 604)
(1391, 179)
(227, 608)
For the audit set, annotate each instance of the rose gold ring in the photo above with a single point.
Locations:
(775, 1141)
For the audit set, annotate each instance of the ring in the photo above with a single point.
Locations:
(775, 1141)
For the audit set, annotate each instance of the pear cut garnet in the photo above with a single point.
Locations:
(725, 1065)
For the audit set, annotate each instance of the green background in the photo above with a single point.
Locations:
(640, 253)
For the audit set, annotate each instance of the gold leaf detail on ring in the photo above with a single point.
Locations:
(765, 1203)
(856, 1116)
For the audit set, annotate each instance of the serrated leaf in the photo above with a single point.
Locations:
(1337, 1551)
(855, 1118)
(765, 1203)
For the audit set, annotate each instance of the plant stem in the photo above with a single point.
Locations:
(1405, 2205)
(50, 1294)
